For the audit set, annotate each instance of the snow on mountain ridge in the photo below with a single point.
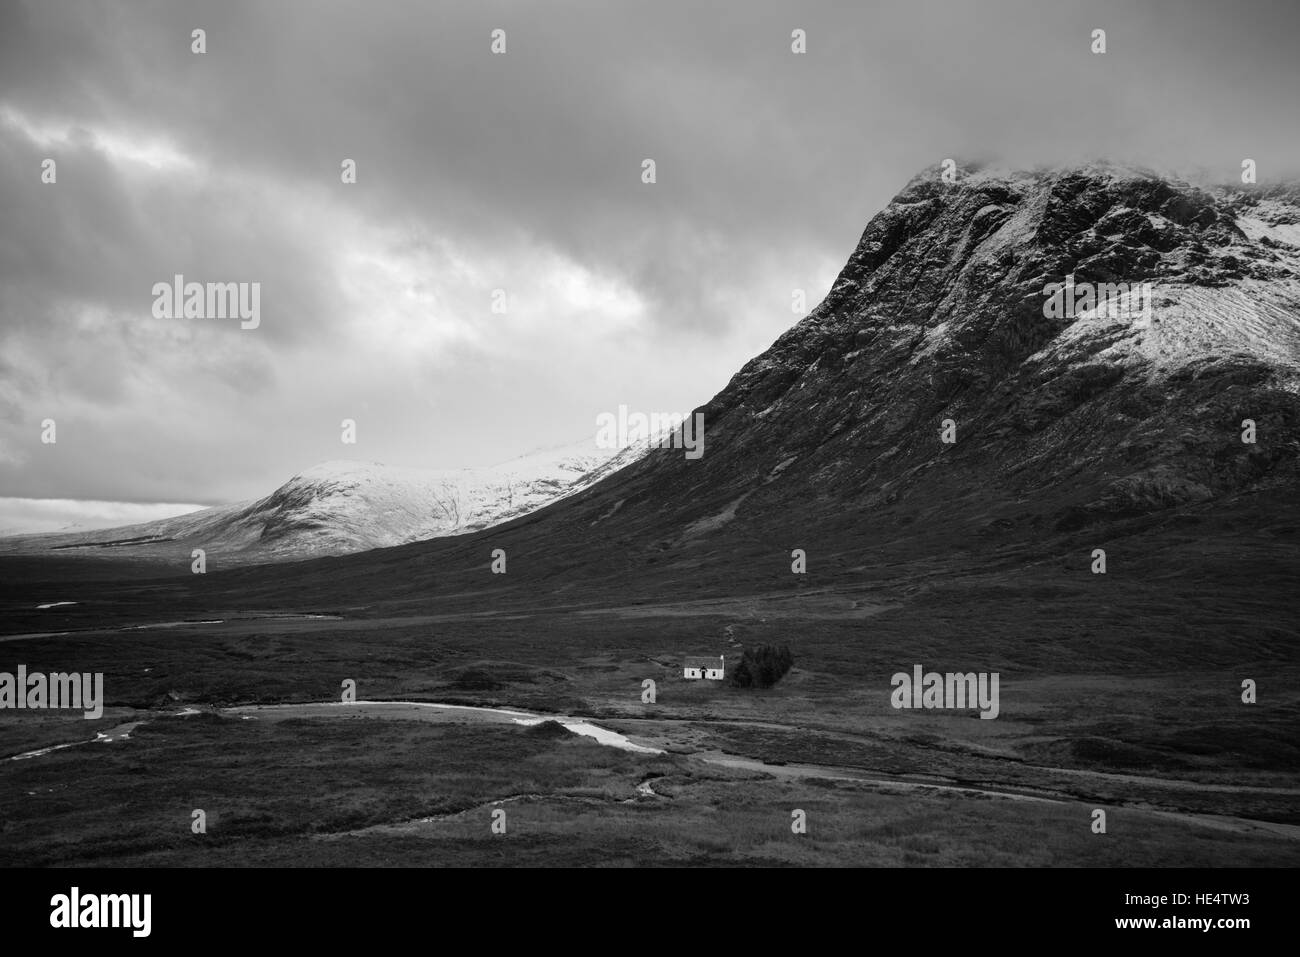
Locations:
(341, 506)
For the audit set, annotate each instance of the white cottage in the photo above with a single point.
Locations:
(701, 667)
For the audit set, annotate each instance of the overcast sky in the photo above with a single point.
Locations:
(521, 172)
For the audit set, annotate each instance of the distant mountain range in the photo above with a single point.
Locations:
(342, 506)
(1107, 422)
(1100, 426)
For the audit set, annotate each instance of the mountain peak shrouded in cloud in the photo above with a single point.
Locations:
(934, 368)
(956, 293)
(511, 179)
(1003, 361)
(1008, 367)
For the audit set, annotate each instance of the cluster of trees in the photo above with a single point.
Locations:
(762, 667)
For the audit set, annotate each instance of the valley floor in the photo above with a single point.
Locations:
(1187, 774)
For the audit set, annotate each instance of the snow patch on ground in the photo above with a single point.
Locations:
(712, 523)
(1187, 322)
(935, 338)
(779, 468)
(1256, 229)
(612, 509)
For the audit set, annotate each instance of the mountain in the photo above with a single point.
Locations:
(1110, 426)
(939, 315)
(1060, 424)
(339, 507)
(1114, 425)
(1097, 424)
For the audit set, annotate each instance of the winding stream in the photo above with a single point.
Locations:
(433, 711)
(394, 708)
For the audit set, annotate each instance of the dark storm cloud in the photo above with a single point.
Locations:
(519, 171)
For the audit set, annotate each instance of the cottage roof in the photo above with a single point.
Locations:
(699, 661)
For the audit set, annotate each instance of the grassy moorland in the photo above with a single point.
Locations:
(374, 792)
(1120, 691)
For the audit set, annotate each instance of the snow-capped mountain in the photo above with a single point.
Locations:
(343, 506)
(833, 440)
(930, 409)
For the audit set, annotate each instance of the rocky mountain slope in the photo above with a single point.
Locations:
(1116, 427)
(1093, 425)
(1069, 432)
(939, 315)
